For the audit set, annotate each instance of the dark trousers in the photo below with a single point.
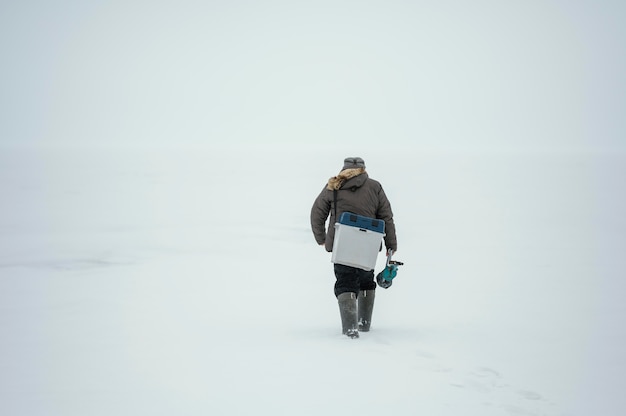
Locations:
(352, 279)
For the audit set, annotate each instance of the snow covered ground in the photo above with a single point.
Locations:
(188, 282)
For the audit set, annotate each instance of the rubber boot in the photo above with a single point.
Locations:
(366, 306)
(348, 312)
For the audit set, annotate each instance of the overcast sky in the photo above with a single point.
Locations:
(452, 74)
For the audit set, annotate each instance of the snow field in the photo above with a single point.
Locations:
(189, 282)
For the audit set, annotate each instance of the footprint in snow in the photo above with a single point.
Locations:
(485, 372)
(530, 395)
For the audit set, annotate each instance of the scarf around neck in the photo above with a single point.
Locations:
(335, 182)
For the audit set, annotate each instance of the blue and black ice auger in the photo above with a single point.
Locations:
(385, 278)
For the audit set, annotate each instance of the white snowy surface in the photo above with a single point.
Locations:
(188, 282)
(181, 277)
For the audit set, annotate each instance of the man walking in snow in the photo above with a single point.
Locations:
(353, 191)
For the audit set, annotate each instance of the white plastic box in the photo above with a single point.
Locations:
(357, 241)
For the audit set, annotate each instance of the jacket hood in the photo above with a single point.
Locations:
(336, 182)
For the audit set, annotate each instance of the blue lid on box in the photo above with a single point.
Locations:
(354, 220)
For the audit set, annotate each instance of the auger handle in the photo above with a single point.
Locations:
(389, 261)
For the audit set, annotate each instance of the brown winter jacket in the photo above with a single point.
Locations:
(356, 193)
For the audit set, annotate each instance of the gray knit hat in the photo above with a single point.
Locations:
(353, 163)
